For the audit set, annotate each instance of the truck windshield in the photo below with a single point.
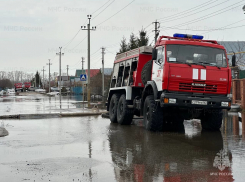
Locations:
(191, 54)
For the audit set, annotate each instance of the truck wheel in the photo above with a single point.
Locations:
(113, 108)
(124, 114)
(212, 119)
(153, 115)
(146, 72)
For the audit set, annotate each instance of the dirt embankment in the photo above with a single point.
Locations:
(3, 132)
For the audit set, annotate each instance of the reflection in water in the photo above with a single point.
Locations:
(140, 155)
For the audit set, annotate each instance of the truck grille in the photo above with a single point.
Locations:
(190, 87)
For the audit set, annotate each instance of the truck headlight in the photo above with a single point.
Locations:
(224, 104)
(171, 101)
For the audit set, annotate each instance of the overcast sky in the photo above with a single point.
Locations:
(32, 30)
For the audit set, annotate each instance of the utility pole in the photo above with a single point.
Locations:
(39, 81)
(67, 68)
(103, 75)
(59, 85)
(89, 29)
(82, 63)
(157, 26)
(83, 83)
(49, 74)
(43, 76)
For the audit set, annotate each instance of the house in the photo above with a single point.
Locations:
(107, 71)
(65, 80)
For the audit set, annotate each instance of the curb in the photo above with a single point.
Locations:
(105, 115)
(80, 114)
(43, 116)
(235, 108)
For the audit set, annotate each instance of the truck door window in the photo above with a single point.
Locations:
(220, 59)
(160, 56)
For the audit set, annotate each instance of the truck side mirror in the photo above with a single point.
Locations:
(154, 54)
(233, 61)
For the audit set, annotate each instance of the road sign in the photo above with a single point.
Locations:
(83, 77)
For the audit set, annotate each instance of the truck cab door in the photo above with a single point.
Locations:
(157, 67)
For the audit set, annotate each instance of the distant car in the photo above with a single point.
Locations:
(54, 89)
(31, 88)
(10, 92)
(53, 93)
(40, 90)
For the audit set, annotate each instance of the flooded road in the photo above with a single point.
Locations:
(34, 103)
(93, 149)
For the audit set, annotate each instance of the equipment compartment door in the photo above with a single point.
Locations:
(157, 68)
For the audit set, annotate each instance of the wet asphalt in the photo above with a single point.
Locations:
(93, 149)
(34, 103)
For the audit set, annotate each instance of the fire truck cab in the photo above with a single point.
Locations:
(182, 77)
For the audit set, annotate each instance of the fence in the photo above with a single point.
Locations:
(238, 92)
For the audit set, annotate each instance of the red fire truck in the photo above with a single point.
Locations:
(18, 86)
(27, 85)
(182, 77)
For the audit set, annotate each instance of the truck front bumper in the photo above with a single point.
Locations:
(194, 101)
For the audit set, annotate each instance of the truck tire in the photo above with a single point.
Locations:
(211, 120)
(146, 72)
(113, 108)
(153, 115)
(124, 114)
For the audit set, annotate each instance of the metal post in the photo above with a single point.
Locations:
(88, 83)
(39, 81)
(103, 75)
(49, 74)
(67, 67)
(60, 72)
(59, 86)
(43, 76)
(83, 83)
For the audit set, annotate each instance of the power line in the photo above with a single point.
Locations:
(95, 52)
(116, 12)
(203, 17)
(181, 13)
(221, 28)
(71, 39)
(227, 25)
(84, 24)
(110, 51)
(100, 7)
(79, 42)
(104, 9)
(196, 12)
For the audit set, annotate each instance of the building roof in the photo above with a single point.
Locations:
(107, 71)
(233, 46)
(78, 73)
(93, 72)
